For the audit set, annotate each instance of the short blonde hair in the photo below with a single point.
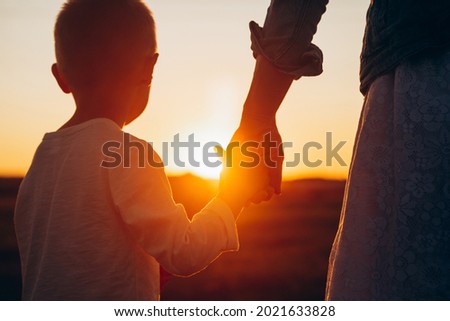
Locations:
(100, 40)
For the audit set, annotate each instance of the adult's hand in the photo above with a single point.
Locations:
(270, 152)
(267, 91)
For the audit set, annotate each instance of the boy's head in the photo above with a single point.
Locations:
(104, 43)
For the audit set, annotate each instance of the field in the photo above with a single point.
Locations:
(284, 244)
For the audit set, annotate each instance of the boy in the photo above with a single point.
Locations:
(91, 231)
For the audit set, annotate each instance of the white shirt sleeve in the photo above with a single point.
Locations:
(143, 198)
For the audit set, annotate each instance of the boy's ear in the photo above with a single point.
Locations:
(149, 67)
(61, 82)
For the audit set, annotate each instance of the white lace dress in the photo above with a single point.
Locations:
(393, 241)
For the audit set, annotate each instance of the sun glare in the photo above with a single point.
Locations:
(208, 161)
(217, 127)
(207, 172)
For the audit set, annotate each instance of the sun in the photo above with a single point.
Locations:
(221, 112)
(207, 172)
(209, 161)
(217, 126)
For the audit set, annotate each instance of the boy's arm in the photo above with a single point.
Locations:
(143, 198)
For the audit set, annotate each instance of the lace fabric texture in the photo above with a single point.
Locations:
(393, 241)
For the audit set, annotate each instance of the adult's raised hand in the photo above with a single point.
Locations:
(262, 154)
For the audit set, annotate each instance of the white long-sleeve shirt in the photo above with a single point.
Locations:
(86, 232)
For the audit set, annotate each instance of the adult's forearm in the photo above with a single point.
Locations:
(283, 52)
(267, 91)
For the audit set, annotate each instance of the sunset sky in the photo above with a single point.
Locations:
(200, 82)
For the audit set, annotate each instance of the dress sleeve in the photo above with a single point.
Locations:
(285, 39)
(142, 196)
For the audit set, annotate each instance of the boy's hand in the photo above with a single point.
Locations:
(239, 185)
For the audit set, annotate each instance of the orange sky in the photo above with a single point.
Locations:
(200, 81)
